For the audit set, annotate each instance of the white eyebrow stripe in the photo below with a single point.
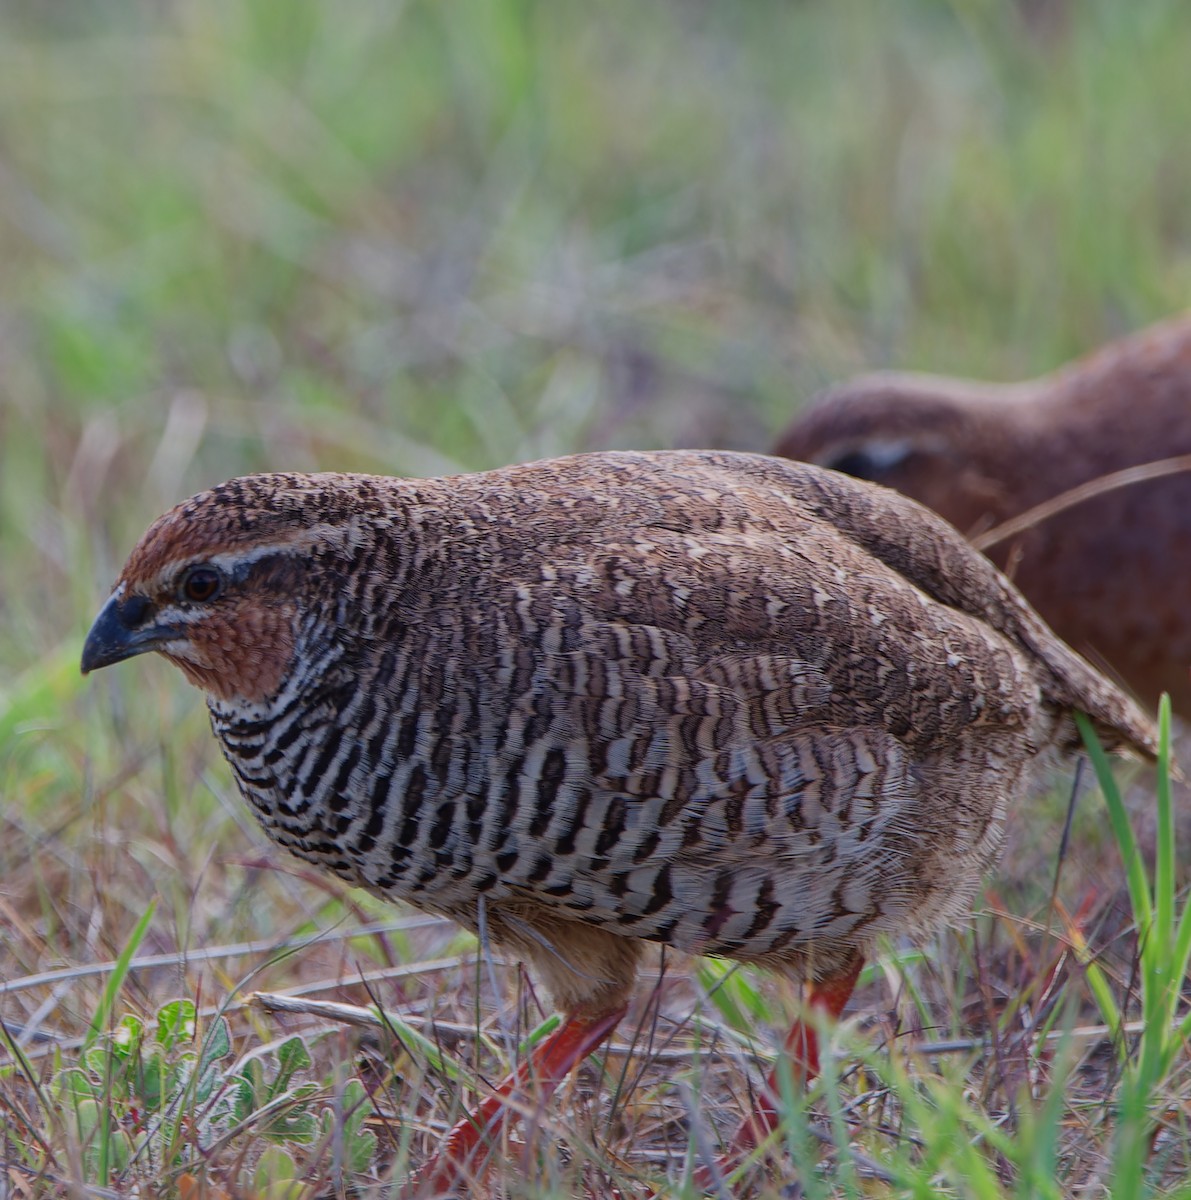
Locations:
(303, 540)
(230, 560)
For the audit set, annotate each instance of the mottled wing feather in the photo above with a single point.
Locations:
(924, 549)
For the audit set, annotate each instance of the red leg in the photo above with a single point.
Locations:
(463, 1156)
(802, 1044)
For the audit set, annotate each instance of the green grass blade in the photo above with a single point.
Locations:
(418, 1043)
(107, 1001)
(1159, 992)
(734, 993)
(1139, 891)
(543, 1031)
(1176, 946)
(1102, 993)
(1164, 866)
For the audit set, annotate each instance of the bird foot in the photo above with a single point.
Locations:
(802, 1046)
(462, 1161)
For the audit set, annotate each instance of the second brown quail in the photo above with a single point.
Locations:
(1110, 574)
(721, 702)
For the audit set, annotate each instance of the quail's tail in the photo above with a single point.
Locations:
(1121, 723)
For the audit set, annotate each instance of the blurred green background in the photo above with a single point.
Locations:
(425, 236)
(451, 234)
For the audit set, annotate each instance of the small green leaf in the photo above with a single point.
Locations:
(95, 1059)
(247, 1086)
(292, 1056)
(293, 1122)
(153, 1081)
(359, 1143)
(176, 1023)
(276, 1169)
(75, 1085)
(127, 1036)
(217, 1043)
(86, 1113)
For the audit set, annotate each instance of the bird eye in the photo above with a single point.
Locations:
(874, 459)
(200, 584)
(857, 464)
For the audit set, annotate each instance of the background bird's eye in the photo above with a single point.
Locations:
(873, 460)
(200, 584)
(858, 464)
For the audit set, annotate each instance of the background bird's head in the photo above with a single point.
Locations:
(216, 585)
(933, 439)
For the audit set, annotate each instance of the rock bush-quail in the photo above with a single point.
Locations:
(722, 702)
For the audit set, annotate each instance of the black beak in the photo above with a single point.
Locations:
(123, 628)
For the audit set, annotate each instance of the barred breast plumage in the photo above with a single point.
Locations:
(717, 701)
